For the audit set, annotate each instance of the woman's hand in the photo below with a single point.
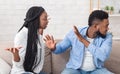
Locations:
(15, 52)
(50, 42)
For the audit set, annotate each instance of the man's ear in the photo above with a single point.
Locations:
(96, 26)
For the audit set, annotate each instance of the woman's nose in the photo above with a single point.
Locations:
(107, 28)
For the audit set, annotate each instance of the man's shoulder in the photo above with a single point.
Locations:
(109, 34)
(82, 28)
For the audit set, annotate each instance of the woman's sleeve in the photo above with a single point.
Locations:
(20, 41)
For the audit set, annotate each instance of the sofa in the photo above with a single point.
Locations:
(55, 63)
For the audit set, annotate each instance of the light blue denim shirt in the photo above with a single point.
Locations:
(100, 48)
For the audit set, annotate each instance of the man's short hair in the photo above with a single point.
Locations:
(97, 15)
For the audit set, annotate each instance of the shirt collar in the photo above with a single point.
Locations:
(84, 31)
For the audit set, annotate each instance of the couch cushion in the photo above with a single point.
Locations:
(4, 67)
(59, 62)
(113, 63)
(47, 61)
(6, 55)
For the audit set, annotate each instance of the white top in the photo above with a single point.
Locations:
(21, 40)
(88, 62)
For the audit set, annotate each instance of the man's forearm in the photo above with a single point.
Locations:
(84, 41)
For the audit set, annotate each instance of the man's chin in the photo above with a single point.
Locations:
(102, 35)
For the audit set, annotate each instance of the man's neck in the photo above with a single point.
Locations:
(90, 33)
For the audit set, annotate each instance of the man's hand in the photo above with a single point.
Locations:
(50, 42)
(79, 36)
(15, 52)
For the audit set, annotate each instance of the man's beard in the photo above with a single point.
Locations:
(100, 35)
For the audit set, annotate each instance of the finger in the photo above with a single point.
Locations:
(7, 49)
(52, 39)
(47, 37)
(75, 29)
(44, 39)
(11, 49)
(14, 50)
(19, 48)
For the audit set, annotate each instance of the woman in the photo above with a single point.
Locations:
(28, 54)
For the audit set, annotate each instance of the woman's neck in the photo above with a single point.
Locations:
(40, 31)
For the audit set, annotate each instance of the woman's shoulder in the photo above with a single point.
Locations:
(22, 34)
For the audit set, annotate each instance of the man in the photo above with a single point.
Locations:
(90, 46)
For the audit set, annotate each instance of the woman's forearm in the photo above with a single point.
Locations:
(16, 57)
